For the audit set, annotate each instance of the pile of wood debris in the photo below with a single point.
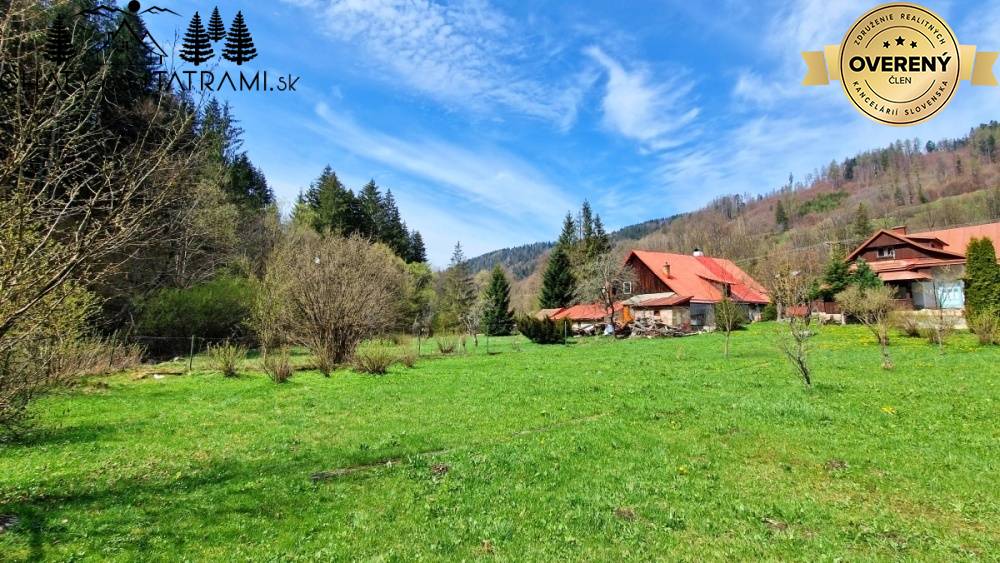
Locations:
(644, 328)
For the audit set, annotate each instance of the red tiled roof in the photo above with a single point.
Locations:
(663, 302)
(957, 240)
(696, 277)
(917, 242)
(585, 312)
(903, 276)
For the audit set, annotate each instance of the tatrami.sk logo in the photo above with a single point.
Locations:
(900, 64)
(200, 46)
(235, 44)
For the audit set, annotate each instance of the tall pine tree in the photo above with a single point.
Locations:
(600, 242)
(197, 46)
(558, 281)
(239, 43)
(498, 320)
(372, 210)
(333, 207)
(417, 251)
(568, 236)
(781, 216)
(393, 232)
(459, 291)
(862, 226)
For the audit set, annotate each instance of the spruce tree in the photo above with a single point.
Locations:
(568, 237)
(863, 276)
(239, 43)
(216, 29)
(393, 232)
(247, 185)
(558, 282)
(600, 243)
(372, 210)
(781, 216)
(58, 41)
(862, 224)
(459, 290)
(333, 206)
(586, 223)
(417, 251)
(197, 47)
(982, 278)
(498, 320)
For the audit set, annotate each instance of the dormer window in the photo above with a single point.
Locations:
(886, 253)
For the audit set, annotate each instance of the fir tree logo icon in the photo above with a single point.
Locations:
(216, 29)
(197, 45)
(239, 44)
(58, 41)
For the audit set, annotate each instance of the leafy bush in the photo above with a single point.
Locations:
(227, 358)
(278, 365)
(543, 331)
(446, 343)
(770, 312)
(986, 326)
(215, 310)
(375, 357)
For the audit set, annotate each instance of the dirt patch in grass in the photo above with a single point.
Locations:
(625, 513)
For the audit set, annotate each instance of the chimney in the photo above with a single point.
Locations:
(666, 268)
(697, 252)
(900, 230)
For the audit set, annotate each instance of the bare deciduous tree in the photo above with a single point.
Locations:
(872, 307)
(603, 281)
(77, 200)
(729, 316)
(329, 293)
(788, 286)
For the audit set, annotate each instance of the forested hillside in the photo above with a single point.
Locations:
(924, 185)
(521, 261)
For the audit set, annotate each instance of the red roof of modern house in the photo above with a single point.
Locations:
(700, 277)
(957, 240)
(954, 242)
(585, 312)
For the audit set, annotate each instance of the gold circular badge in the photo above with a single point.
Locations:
(899, 64)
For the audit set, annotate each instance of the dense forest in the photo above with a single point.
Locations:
(924, 185)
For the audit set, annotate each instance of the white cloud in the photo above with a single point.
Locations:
(657, 114)
(504, 197)
(464, 54)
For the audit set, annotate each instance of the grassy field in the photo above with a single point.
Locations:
(600, 450)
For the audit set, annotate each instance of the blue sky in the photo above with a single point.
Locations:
(489, 120)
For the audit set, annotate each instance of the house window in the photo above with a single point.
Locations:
(627, 288)
(887, 253)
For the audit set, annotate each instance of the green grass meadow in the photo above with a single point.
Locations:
(599, 450)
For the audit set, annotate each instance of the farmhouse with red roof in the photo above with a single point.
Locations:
(681, 290)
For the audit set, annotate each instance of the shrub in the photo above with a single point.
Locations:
(408, 358)
(543, 331)
(986, 326)
(278, 365)
(906, 323)
(375, 357)
(329, 293)
(215, 310)
(227, 358)
(446, 343)
(770, 312)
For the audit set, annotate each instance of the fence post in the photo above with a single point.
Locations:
(191, 355)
